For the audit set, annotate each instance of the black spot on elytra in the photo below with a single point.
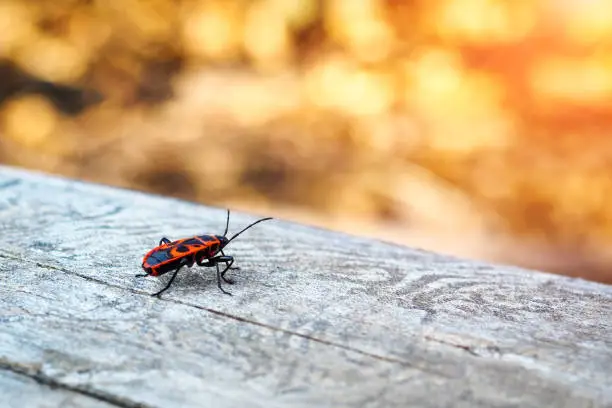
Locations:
(182, 248)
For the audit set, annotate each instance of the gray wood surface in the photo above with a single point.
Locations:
(317, 318)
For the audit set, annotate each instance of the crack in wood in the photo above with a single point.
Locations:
(467, 348)
(35, 373)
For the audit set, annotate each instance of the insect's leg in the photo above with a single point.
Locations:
(164, 240)
(170, 282)
(233, 267)
(228, 263)
(205, 262)
(227, 260)
(219, 274)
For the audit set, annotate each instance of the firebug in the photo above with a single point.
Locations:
(203, 250)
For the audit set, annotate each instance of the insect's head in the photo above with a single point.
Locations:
(223, 241)
(223, 238)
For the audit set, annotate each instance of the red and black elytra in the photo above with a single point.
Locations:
(202, 250)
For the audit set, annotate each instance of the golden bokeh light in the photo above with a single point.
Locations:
(484, 21)
(16, 26)
(337, 84)
(433, 76)
(266, 35)
(52, 59)
(358, 25)
(489, 117)
(585, 22)
(585, 80)
(29, 121)
(212, 30)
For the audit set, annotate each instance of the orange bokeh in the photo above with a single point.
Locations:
(474, 127)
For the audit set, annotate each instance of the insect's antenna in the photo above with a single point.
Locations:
(226, 224)
(249, 226)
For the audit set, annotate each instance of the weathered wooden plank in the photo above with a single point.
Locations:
(316, 318)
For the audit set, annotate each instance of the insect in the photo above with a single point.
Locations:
(203, 250)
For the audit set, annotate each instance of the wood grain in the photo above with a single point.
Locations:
(318, 318)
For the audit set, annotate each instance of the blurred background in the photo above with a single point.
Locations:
(479, 128)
